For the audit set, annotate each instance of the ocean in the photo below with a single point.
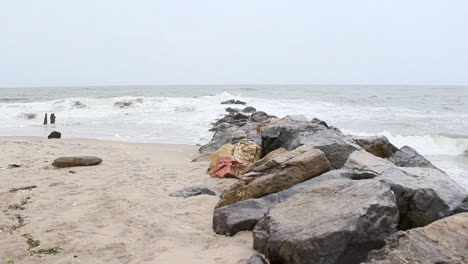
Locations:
(431, 119)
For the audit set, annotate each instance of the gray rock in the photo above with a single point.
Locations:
(362, 160)
(231, 110)
(249, 109)
(259, 116)
(193, 191)
(233, 101)
(244, 215)
(409, 157)
(55, 134)
(424, 195)
(442, 242)
(291, 133)
(232, 135)
(76, 161)
(380, 146)
(462, 208)
(257, 259)
(334, 221)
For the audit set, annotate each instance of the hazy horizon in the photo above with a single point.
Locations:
(53, 43)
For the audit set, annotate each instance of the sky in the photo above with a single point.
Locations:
(182, 42)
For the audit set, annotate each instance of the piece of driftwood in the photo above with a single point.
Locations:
(23, 188)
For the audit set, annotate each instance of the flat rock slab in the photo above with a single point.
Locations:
(193, 191)
(444, 241)
(65, 162)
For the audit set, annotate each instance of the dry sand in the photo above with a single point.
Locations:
(116, 212)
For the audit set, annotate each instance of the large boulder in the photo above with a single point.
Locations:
(365, 161)
(380, 146)
(334, 221)
(292, 132)
(278, 174)
(442, 242)
(65, 162)
(244, 215)
(237, 157)
(424, 195)
(409, 157)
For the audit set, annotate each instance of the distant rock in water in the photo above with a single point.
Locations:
(128, 103)
(64, 162)
(55, 134)
(249, 109)
(78, 104)
(29, 115)
(232, 101)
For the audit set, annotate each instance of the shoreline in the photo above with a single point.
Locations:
(118, 211)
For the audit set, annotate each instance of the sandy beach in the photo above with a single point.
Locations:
(117, 212)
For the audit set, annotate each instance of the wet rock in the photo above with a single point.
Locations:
(442, 242)
(242, 153)
(293, 132)
(424, 195)
(64, 162)
(29, 115)
(260, 117)
(380, 146)
(233, 101)
(232, 110)
(249, 109)
(193, 191)
(244, 215)
(78, 104)
(278, 174)
(362, 160)
(409, 157)
(334, 221)
(54, 134)
(257, 259)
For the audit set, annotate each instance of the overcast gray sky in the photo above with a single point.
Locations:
(113, 42)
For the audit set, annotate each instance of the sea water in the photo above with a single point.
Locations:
(431, 119)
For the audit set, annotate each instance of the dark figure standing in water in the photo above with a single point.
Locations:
(45, 120)
(52, 119)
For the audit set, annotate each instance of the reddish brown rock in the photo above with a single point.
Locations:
(225, 168)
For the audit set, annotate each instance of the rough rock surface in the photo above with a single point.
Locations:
(365, 161)
(232, 134)
(226, 167)
(249, 109)
(55, 134)
(292, 132)
(64, 162)
(380, 146)
(409, 157)
(244, 215)
(257, 259)
(334, 221)
(193, 191)
(442, 242)
(424, 195)
(266, 159)
(278, 174)
(463, 207)
(243, 153)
